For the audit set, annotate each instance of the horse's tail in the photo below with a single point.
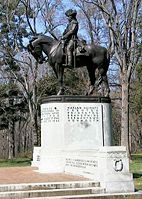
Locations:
(108, 56)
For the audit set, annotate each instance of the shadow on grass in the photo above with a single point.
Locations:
(24, 162)
(137, 175)
(137, 157)
(15, 162)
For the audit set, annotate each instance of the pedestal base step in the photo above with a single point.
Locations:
(36, 190)
(136, 195)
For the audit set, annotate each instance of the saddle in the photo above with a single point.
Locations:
(80, 49)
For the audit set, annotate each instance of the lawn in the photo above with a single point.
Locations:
(136, 169)
(17, 162)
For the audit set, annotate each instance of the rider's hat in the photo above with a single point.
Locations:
(70, 12)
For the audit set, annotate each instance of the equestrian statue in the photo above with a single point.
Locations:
(70, 52)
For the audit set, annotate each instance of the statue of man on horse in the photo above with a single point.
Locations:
(69, 40)
(70, 52)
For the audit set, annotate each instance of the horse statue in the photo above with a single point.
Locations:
(93, 57)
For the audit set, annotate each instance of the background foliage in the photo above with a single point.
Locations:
(23, 82)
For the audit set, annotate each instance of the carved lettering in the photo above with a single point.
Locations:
(83, 114)
(50, 114)
(81, 163)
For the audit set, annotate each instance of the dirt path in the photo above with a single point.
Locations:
(16, 175)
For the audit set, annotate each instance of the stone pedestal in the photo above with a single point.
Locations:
(76, 138)
(72, 123)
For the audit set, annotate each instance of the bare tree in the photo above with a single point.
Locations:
(40, 16)
(43, 16)
(122, 18)
(90, 21)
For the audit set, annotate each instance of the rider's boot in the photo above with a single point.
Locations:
(69, 61)
(69, 64)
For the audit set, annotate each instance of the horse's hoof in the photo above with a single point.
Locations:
(61, 92)
(90, 93)
(107, 95)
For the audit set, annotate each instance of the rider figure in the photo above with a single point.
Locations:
(70, 35)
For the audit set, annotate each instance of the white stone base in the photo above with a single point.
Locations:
(107, 165)
(76, 139)
(52, 161)
(36, 157)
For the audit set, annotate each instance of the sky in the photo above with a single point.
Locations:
(68, 4)
(40, 29)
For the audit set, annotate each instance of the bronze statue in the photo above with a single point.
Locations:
(92, 56)
(70, 36)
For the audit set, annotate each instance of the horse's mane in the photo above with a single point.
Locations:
(48, 39)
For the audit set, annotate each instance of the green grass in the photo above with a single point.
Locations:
(17, 162)
(136, 169)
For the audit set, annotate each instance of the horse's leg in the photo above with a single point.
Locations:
(91, 72)
(60, 79)
(106, 89)
(103, 80)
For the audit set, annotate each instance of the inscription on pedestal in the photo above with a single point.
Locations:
(83, 114)
(50, 114)
(80, 163)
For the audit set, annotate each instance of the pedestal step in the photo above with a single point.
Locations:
(49, 189)
(48, 185)
(136, 195)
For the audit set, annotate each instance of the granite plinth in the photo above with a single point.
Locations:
(76, 139)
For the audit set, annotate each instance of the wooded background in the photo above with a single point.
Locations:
(116, 25)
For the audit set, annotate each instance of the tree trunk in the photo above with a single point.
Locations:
(35, 130)
(125, 112)
(11, 141)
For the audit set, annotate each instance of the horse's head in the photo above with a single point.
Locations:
(36, 53)
(47, 45)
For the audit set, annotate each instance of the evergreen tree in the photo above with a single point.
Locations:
(12, 33)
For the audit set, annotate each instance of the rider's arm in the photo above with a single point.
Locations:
(72, 31)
